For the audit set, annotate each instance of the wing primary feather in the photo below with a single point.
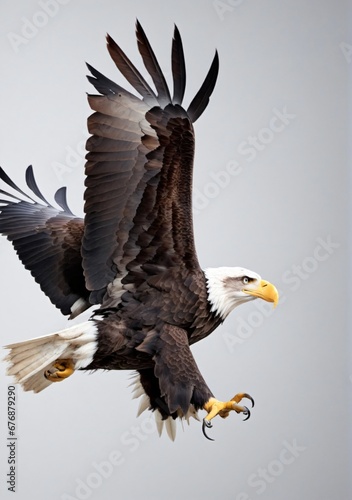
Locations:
(4, 177)
(201, 99)
(33, 186)
(152, 66)
(130, 72)
(10, 195)
(61, 200)
(103, 84)
(178, 68)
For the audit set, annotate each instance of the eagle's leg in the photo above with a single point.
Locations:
(215, 407)
(61, 369)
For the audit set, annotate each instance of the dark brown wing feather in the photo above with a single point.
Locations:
(152, 66)
(139, 174)
(201, 100)
(178, 68)
(47, 242)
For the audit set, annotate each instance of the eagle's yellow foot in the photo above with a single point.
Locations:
(61, 369)
(215, 407)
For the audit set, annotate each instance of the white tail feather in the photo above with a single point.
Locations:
(143, 404)
(170, 426)
(31, 358)
(159, 422)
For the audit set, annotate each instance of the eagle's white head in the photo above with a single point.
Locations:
(228, 287)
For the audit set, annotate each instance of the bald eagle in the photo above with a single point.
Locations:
(133, 254)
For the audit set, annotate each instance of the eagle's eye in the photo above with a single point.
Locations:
(245, 280)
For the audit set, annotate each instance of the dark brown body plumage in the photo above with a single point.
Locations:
(151, 331)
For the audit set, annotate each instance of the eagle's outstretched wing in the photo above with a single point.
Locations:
(138, 218)
(138, 190)
(47, 241)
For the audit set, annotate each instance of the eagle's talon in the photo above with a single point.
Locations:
(208, 424)
(247, 413)
(215, 407)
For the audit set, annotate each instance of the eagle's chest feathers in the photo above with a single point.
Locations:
(175, 297)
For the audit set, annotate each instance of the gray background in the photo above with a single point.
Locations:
(291, 193)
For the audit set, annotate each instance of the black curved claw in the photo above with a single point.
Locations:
(247, 413)
(208, 424)
(250, 399)
(247, 396)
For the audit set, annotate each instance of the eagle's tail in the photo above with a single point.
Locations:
(38, 362)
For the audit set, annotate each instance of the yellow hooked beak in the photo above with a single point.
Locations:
(266, 291)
